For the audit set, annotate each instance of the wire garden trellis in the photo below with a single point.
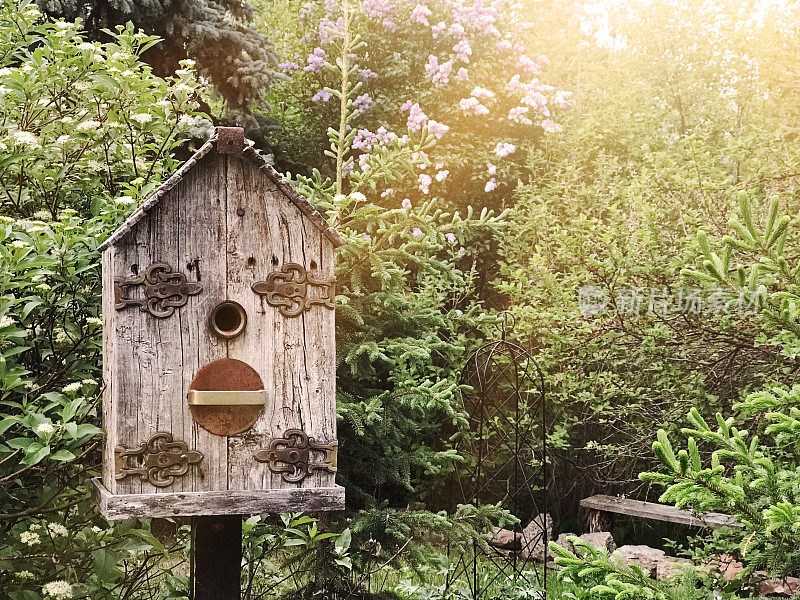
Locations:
(503, 394)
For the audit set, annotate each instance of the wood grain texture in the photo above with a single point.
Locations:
(226, 502)
(657, 512)
(156, 359)
(226, 225)
(109, 339)
(295, 355)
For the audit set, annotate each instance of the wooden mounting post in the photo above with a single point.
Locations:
(216, 558)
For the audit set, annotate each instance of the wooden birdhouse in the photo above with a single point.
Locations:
(218, 346)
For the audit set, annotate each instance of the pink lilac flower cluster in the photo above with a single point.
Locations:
(362, 103)
(377, 8)
(289, 65)
(420, 15)
(504, 149)
(315, 60)
(439, 73)
(364, 140)
(321, 96)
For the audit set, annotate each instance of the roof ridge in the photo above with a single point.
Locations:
(303, 205)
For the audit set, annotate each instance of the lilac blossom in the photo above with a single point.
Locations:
(504, 45)
(417, 232)
(450, 237)
(472, 106)
(442, 175)
(406, 204)
(387, 192)
(377, 8)
(490, 185)
(366, 236)
(439, 73)
(525, 64)
(362, 103)
(482, 93)
(321, 95)
(504, 149)
(425, 182)
(367, 74)
(518, 115)
(491, 169)
(550, 126)
(330, 30)
(364, 140)
(439, 28)
(462, 74)
(288, 65)
(562, 99)
(389, 25)
(315, 60)
(420, 15)
(463, 51)
(437, 129)
(456, 30)
(417, 119)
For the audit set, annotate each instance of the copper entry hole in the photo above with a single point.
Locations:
(228, 320)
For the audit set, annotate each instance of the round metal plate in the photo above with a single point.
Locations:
(226, 374)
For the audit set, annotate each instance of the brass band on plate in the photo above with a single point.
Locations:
(227, 398)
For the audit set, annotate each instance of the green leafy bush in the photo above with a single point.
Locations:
(88, 131)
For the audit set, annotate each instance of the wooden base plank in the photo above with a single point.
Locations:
(658, 512)
(230, 502)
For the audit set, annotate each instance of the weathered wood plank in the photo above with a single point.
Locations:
(202, 238)
(657, 512)
(109, 415)
(227, 502)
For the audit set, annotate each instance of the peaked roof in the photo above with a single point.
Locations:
(305, 207)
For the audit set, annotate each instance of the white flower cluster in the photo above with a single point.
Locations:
(72, 387)
(57, 590)
(45, 428)
(6, 322)
(57, 530)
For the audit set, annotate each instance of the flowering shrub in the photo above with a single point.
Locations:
(88, 131)
(81, 117)
(462, 69)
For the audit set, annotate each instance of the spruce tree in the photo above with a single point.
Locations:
(233, 56)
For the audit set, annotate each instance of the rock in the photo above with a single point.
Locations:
(726, 564)
(788, 586)
(564, 543)
(643, 556)
(671, 565)
(535, 537)
(506, 539)
(602, 540)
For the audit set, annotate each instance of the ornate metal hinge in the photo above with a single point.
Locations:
(164, 290)
(291, 455)
(290, 289)
(159, 460)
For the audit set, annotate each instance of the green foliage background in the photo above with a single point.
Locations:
(690, 118)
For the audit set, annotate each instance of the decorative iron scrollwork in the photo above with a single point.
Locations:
(290, 289)
(291, 455)
(159, 460)
(164, 290)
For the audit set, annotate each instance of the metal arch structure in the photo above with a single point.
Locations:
(504, 395)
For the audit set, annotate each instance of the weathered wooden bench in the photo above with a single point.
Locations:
(601, 508)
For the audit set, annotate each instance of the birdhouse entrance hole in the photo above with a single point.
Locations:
(228, 320)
